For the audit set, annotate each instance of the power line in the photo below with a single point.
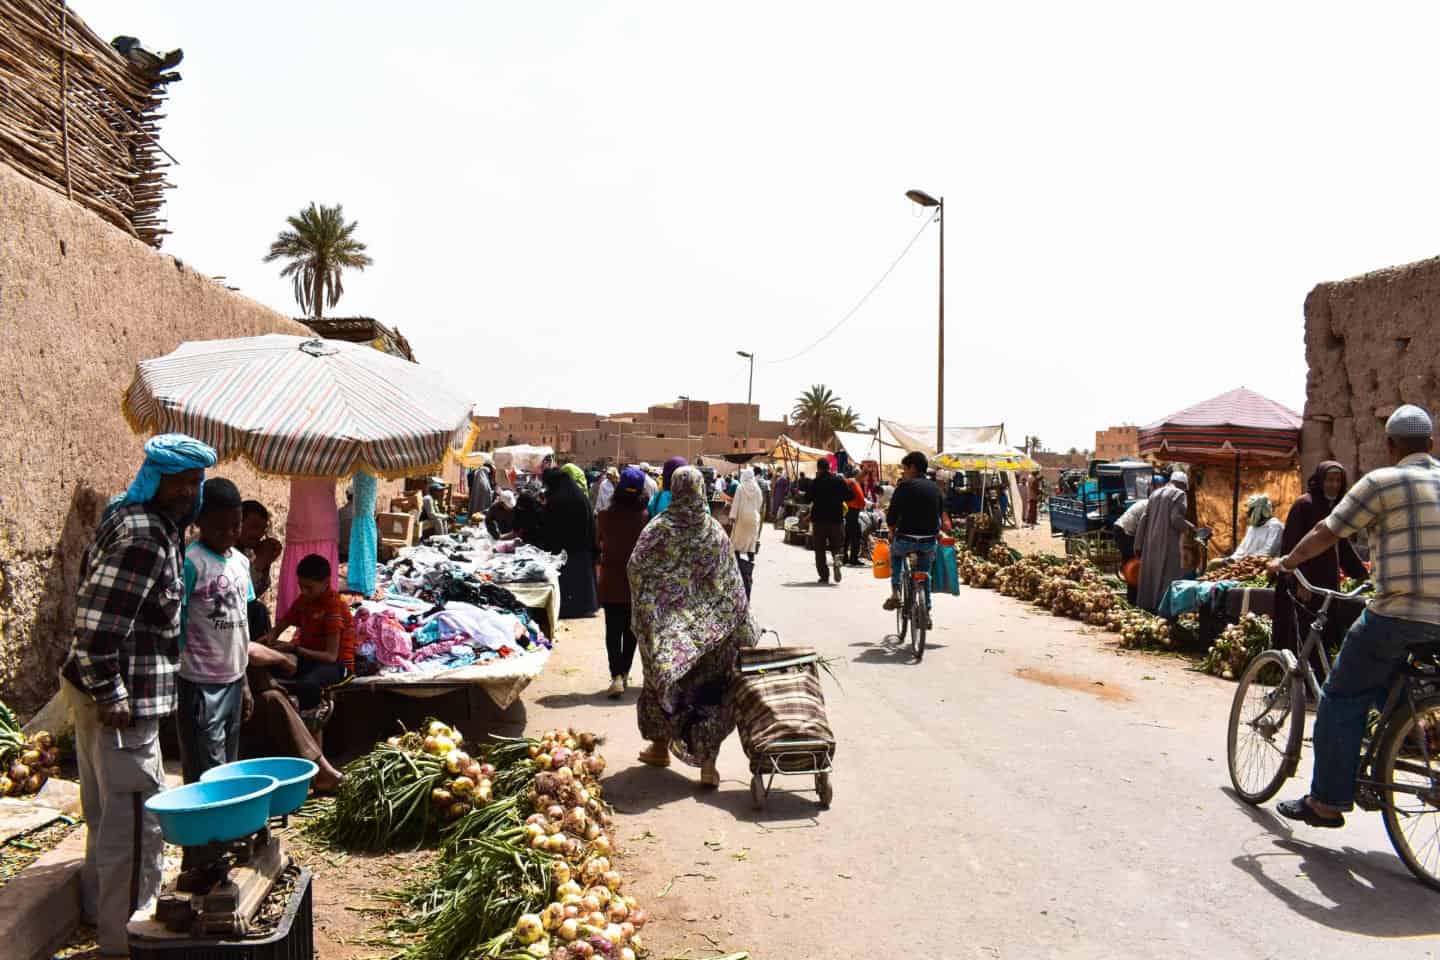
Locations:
(861, 302)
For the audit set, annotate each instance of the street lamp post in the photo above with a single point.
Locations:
(925, 200)
(749, 395)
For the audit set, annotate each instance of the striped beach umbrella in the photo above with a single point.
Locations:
(1239, 426)
(301, 407)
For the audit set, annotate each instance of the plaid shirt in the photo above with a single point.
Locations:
(127, 612)
(1400, 506)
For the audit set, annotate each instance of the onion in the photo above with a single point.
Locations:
(528, 928)
(612, 932)
(431, 744)
(568, 888)
(637, 943)
(598, 921)
(6, 785)
(437, 729)
(560, 873)
(588, 741)
(555, 843)
(393, 741)
(539, 842)
(552, 916)
(613, 880)
(554, 812)
(627, 931)
(471, 769)
(19, 772)
(591, 904)
(569, 929)
(534, 751)
(565, 776)
(581, 950)
(538, 820)
(601, 844)
(572, 911)
(458, 810)
(543, 761)
(626, 954)
(601, 894)
(546, 786)
(591, 870)
(43, 739)
(455, 760)
(30, 757)
(576, 821)
(442, 797)
(639, 917)
(617, 911)
(595, 765)
(592, 831)
(559, 953)
(462, 786)
(444, 746)
(487, 770)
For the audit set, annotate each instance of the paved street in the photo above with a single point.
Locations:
(1027, 791)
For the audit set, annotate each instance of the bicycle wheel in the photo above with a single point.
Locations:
(920, 623)
(1409, 758)
(902, 616)
(1267, 721)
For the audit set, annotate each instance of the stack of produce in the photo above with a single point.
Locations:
(524, 864)
(1249, 571)
(25, 762)
(1237, 645)
(1003, 556)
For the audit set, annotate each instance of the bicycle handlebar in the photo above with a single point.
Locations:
(1336, 594)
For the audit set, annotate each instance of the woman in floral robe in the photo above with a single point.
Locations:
(690, 616)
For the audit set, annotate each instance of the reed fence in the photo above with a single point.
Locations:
(79, 117)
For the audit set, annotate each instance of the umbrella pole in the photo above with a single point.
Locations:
(1235, 509)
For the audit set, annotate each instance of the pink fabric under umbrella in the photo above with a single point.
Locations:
(312, 527)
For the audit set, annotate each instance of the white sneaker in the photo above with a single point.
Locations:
(617, 687)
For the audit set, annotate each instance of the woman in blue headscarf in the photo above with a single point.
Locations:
(661, 500)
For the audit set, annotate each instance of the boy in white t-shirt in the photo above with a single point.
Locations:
(215, 636)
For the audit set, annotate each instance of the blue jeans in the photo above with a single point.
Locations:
(902, 548)
(1373, 651)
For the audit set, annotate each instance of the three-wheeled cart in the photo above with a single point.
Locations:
(780, 713)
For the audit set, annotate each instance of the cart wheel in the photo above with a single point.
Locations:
(757, 791)
(822, 787)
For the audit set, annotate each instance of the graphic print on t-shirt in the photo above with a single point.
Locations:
(215, 646)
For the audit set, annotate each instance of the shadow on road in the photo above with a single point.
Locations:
(1368, 892)
(808, 583)
(889, 651)
(639, 789)
(561, 701)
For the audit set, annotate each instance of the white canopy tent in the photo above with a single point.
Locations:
(907, 437)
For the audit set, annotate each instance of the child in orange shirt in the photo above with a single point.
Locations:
(324, 646)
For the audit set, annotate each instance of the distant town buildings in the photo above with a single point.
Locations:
(1118, 443)
(685, 428)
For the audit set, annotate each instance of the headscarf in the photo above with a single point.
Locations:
(578, 475)
(1259, 508)
(686, 593)
(671, 465)
(166, 455)
(1316, 485)
(507, 497)
(632, 479)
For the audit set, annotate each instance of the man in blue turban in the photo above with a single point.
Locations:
(119, 677)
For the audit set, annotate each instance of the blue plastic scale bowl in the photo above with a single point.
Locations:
(293, 774)
(214, 811)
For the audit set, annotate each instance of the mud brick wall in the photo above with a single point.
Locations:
(1372, 343)
(80, 303)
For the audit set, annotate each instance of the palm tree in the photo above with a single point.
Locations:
(818, 415)
(318, 245)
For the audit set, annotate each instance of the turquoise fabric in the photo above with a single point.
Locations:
(1187, 596)
(944, 572)
(658, 503)
(166, 454)
(364, 537)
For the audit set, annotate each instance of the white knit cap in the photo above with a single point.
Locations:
(1408, 422)
(1179, 477)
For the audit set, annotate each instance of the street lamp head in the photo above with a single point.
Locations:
(747, 356)
(922, 198)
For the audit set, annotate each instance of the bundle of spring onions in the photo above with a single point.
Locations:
(543, 888)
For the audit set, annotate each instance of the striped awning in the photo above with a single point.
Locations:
(1241, 423)
(301, 407)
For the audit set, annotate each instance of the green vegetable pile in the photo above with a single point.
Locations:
(25, 762)
(1237, 645)
(523, 869)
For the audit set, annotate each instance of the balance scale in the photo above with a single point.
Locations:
(220, 900)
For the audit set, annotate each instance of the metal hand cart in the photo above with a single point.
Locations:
(780, 713)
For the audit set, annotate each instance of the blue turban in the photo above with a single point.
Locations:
(632, 478)
(167, 454)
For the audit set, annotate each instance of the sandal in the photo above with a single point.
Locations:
(1301, 810)
(653, 759)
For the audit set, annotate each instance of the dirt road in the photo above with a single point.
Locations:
(1028, 791)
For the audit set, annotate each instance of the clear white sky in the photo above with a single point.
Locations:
(594, 205)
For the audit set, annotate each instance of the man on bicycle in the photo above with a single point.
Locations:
(914, 521)
(1400, 507)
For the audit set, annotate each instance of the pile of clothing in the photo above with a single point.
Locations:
(443, 606)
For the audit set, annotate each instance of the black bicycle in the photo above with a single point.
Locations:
(913, 614)
(1400, 765)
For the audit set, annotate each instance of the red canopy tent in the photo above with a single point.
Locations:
(1239, 428)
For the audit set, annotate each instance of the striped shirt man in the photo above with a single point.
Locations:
(1400, 506)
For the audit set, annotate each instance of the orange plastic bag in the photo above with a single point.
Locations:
(880, 559)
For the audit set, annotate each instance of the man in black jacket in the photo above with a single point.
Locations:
(827, 520)
(914, 521)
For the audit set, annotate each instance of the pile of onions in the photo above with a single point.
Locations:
(26, 763)
(588, 916)
(470, 784)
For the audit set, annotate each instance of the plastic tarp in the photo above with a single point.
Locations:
(521, 457)
(859, 447)
(788, 449)
(985, 456)
(908, 437)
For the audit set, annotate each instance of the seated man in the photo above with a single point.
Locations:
(324, 645)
